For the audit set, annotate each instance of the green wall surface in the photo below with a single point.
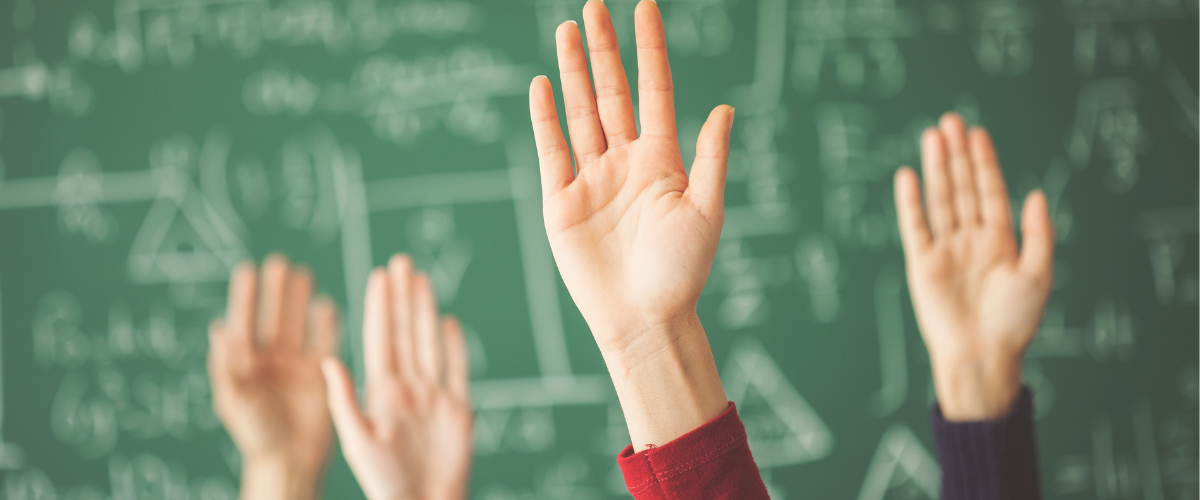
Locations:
(146, 146)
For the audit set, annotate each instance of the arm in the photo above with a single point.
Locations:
(978, 301)
(633, 235)
(266, 380)
(413, 441)
(992, 459)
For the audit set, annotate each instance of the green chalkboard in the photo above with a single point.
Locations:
(147, 145)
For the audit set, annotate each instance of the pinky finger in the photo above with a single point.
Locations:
(457, 368)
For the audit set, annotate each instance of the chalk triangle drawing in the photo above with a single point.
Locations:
(902, 468)
(183, 239)
(781, 426)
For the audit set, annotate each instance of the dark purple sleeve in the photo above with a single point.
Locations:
(989, 460)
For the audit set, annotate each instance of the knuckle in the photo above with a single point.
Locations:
(621, 136)
(586, 158)
(655, 85)
(551, 150)
(580, 111)
(603, 47)
(610, 90)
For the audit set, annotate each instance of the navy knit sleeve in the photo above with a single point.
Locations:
(989, 460)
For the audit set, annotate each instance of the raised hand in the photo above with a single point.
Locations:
(978, 299)
(633, 235)
(413, 441)
(264, 364)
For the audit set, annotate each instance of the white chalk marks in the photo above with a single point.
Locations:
(781, 426)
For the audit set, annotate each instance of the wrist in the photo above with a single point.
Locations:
(976, 388)
(457, 493)
(454, 493)
(279, 477)
(631, 338)
(666, 380)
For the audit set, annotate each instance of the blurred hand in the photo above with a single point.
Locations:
(264, 363)
(414, 440)
(633, 236)
(978, 300)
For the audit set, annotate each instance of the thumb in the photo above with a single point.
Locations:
(350, 423)
(1037, 235)
(324, 318)
(707, 183)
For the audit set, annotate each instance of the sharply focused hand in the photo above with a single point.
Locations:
(414, 441)
(634, 237)
(264, 362)
(978, 301)
(631, 232)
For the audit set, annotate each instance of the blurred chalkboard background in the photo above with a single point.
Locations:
(148, 145)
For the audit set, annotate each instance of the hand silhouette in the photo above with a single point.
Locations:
(264, 363)
(414, 440)
(978, 300)
(634, 236)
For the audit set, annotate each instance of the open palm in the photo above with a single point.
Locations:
(266, 379)
(414, 439)
(630, 231)
(978, 299)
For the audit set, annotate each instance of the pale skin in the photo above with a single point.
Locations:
(634, 236)
(413, 439)
(264, 365)
(978, 298)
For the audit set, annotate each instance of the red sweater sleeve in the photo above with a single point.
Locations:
(712, 461)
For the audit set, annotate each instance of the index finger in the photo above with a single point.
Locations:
(656, 94)
(554, 157)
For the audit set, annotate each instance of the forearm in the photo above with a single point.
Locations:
(279, 480)
(666, 381)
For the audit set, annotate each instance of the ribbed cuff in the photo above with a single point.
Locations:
(989, 460)
(712, 461)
